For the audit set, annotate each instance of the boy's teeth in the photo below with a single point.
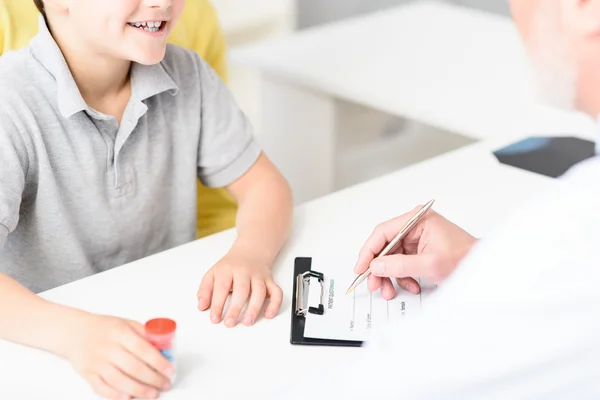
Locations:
(150, 26)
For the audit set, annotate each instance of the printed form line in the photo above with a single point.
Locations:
(387, 309)
(353, 311)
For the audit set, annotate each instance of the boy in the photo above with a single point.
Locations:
(103, 132)
(198, 29)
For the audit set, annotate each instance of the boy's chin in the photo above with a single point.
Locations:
(149, 58)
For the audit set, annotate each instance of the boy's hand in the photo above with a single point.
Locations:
(114, 357)
(246, 274)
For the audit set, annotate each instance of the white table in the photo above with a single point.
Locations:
(447, 66)
(220, 363)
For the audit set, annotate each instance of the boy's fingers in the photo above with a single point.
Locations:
(221, 289)
(257, 299)
(138, 346)
(126, 385)
(241, 291)
(133, 366)
(205, 291)
(275, 299)
(103, 389)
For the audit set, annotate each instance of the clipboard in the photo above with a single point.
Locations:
(303, 276)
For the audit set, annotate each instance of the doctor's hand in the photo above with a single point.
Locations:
(431, 250)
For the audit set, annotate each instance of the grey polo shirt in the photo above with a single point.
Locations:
(79, 193)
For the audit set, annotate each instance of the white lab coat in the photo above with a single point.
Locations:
(519, 318)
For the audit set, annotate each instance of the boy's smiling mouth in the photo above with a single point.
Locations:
(149, 26)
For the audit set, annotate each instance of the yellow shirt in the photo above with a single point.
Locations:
(198, 30)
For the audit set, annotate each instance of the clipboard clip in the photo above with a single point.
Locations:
(302, 287)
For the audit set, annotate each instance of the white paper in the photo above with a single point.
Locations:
(353, 316)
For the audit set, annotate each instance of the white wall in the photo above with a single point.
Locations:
(245, 22)
(496, 6)
(315, 12)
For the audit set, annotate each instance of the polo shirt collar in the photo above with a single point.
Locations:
(149, 80)
(146, 80)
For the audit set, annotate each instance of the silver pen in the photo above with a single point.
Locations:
(391, 246)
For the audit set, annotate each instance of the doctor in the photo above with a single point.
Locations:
(517, 314)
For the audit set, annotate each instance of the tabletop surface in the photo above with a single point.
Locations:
(470, 187)
(450, 66)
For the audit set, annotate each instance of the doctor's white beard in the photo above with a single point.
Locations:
(555, 76)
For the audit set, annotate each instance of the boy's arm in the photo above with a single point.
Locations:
(29, 320)
(263, 223)
(110, 353)
(265, 209)
(24, 317)
(230, 156)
